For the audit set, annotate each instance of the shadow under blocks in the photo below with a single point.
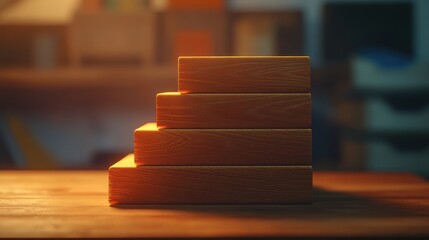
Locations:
(358, 205)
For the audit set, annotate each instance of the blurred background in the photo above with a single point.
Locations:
(78, 76)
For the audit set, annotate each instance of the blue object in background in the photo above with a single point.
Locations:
(386, 58)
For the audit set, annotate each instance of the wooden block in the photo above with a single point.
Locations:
(222, 147)
(175, 110)
(154, 185)
(244, 74)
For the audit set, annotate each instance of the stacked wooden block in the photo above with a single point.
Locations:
(237, 132)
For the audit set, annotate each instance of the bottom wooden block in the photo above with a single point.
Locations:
(155, 185)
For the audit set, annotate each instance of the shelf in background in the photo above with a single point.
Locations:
(24, 88)
(22, 78)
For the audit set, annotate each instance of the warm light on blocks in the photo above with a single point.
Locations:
(175, 110)
(221, 147)
(132, 184)
(237, 132)
(282, 74)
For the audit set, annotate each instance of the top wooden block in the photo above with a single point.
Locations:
(278, 74)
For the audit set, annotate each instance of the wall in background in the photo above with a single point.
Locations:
(108, 90)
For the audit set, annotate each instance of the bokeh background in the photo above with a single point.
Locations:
(78, 76)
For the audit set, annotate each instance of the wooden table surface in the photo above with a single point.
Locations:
(74, 204)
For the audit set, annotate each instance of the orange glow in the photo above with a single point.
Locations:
(185, 43)
(126, 162)
(196, 4)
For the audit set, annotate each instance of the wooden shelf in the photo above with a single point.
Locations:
(29, 89)
(87, 77)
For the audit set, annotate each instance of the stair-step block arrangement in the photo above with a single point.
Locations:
(237, 132)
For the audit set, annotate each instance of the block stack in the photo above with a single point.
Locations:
(237, 132)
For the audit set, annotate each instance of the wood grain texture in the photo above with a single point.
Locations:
(130, 184)
(244, 74)
(222, 147)
(73, 204)
(175, 110)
